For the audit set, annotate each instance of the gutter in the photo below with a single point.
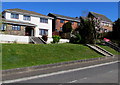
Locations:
(29, 14)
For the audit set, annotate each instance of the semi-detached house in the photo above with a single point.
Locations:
(60, 20)
(26, 23)
(105, 23)
(21, 22)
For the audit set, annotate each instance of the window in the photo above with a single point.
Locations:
(15, 27)
(61, 21)
(43, 32)
(25, 17)
(61, 28)
(72, 22)
(14, 16)
(43, 20)
(3, 27)
(56, 30)
(78, 24)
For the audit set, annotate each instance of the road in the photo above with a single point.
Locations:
(105, 73)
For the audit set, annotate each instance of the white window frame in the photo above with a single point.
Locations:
(43, 31)
(3, 27)
(43, 20)
(14, 16)
(26, 17)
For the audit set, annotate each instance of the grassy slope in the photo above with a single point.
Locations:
(110, 50)
(23, 55)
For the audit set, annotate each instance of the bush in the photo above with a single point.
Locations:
(67, 27)
(65, 35)
(44, 37)
(56, 38)
(76, 39)
(87, 31)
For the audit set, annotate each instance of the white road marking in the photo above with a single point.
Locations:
(85, 78)
(56, 73)
(77, 80)
(110, 71)
(73, 81)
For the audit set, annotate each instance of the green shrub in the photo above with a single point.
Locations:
(67, 27)
(56, 38)
(76, 39)
(44, 37)
(65, 35)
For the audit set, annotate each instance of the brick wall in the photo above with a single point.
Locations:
(9, 30)
(59, 25)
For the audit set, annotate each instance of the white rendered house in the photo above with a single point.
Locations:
(26, 23)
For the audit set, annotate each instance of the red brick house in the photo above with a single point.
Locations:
(105, 23)
(59, 21)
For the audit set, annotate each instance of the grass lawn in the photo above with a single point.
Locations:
(23, 55)
(110, 50)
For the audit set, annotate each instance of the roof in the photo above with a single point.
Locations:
(16, 10)
(82, 17)
(64, 17)
(102, 17)
(17, 22)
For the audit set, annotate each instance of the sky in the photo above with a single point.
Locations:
(72, 9)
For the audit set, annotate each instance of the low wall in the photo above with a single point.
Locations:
(23, 39)
(61, 40)
(49, 40)
(14, 39)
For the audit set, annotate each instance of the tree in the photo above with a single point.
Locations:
(67, 27)
(75, 37)
(66, 30)
(87, 31)
(116, 29)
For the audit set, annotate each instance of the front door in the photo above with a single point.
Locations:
(29, 31)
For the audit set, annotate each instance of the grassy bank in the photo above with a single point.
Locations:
(110, 50)
(23, 55)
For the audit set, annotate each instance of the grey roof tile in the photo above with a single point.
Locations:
(25, 11)
(64, 17)
(17, 22)
(102, 17)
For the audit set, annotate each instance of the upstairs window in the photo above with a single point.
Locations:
(61, 21)
(43, 20)
(27, 18)
(15, 27)
(14, 16)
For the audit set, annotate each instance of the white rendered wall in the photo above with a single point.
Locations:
(23, 39)
(36, 21)
(14, 38)
(61, 40)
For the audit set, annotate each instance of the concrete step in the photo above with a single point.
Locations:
(37, 40)
(100, 50)
(104, 50)
(113, 45)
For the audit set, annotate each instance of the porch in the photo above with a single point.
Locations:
(17, 28)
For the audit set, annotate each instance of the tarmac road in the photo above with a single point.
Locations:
(105, 73)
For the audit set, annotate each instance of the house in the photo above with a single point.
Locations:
(59, 21)
(105, 24)
(26, 23)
